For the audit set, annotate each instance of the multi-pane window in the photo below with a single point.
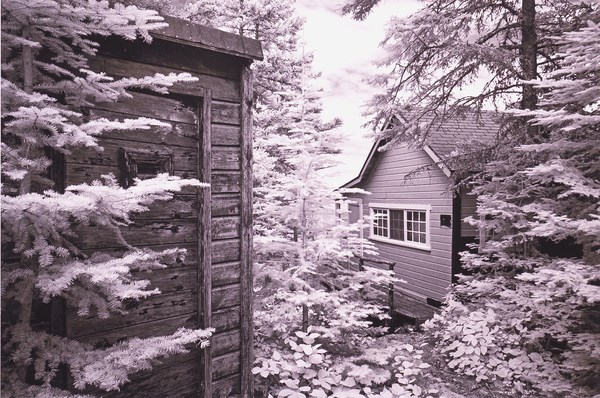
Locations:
(409, 227)
(416, 226)
(380, 222)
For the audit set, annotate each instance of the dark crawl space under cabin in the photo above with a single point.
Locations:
(210, 139)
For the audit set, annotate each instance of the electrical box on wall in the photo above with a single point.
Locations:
(446, 220)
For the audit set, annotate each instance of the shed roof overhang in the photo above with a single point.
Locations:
(195, 35)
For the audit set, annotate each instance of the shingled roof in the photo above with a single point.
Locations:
(444, 137)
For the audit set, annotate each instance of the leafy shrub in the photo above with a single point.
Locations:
(306, 369)
(531, 331)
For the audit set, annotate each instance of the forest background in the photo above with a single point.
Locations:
(524, 323)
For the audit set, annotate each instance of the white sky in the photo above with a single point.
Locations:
(344, 52)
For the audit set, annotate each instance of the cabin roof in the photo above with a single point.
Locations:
(444, 138)
(192, 34)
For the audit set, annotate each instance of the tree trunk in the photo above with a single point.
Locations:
(528, 53)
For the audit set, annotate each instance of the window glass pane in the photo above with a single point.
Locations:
(397, 224)
(417, 229)
(380, 222)
(400, 225)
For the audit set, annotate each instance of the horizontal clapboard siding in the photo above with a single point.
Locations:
(428, 273)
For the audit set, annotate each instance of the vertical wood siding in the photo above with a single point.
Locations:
(427, 273)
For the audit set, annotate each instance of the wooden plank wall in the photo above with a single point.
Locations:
(164, 226)
(227, 163)
(428, 273)
(468, 205)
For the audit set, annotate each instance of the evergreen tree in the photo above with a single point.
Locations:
(523, 318)
(45, 79)
(300, 245)
(491, 47)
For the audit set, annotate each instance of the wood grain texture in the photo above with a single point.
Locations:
(225, 227)
(225, 251)
(225, 296)
(221, 182)
(204, 248)
(158, 327)
(176, 134)
(170, 280)
(184, 159)
(157, 307)
(226, 158)
(159, 382)
(223, 343)
(222, 88)
(227, 387)
(226, 205)
(226, 113)
(246, 278)
(185, 391)
(181, 206)
(208, 137)
(226, 365)
(226, 135)
(175, 56)
(225, 273)
(194, 35)
(139, 233)
(226, 319)
(153, 106)
(80, 174)
(226, 182)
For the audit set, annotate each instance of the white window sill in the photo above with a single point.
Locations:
(412, 245)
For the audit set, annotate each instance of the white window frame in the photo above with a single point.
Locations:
(405, 207)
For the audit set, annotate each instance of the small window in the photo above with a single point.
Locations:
(405, 225)
(143, 165)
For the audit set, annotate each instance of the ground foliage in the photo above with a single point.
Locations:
(45, 82)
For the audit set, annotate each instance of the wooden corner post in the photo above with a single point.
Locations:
(247, 324)
(204, 242)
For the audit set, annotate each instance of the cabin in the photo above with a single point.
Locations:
(210, 139)
(417, 222)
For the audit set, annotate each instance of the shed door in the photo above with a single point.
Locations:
(142, 154)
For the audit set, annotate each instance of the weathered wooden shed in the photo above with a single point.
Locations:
(209, 139)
